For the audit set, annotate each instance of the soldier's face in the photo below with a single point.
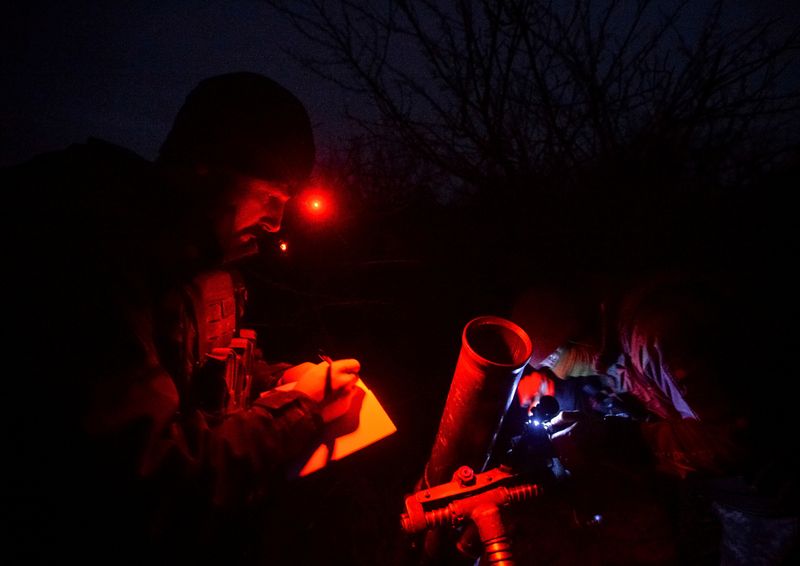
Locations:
(254, 206)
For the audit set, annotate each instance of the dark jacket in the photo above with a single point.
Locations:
(108, 452)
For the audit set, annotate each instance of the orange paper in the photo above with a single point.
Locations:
(364, 424)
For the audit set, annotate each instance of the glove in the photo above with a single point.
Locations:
(332, 385)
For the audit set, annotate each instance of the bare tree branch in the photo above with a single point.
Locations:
(513, 96)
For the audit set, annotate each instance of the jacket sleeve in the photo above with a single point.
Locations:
(250, 450)
(142, 435)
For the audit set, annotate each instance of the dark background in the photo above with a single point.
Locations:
(120, 71)
(391, 289)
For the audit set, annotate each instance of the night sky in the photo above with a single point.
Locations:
(120, 70)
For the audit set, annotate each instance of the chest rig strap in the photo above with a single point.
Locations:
(223, 377)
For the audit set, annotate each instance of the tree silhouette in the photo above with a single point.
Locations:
(507, 100)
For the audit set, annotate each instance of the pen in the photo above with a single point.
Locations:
(328, 376)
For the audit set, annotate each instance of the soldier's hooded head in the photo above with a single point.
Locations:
(245, 123)
(249, 145)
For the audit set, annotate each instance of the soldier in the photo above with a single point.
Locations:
(119, 264)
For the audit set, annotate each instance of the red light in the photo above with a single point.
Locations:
(283, 245)
(317, 204)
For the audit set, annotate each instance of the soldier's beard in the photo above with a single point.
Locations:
(241, 245)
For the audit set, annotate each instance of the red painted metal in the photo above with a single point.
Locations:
(494, 352)
(473, 499)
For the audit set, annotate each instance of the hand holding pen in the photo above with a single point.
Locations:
(330, 383)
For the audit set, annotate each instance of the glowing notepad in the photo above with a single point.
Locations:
(365, 424)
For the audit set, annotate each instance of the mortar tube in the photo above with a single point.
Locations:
(494, 353)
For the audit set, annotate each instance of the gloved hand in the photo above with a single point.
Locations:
(533, 385)
(335, 393)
